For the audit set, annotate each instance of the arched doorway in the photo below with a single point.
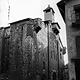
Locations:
(54, 75)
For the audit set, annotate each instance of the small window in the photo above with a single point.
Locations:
(77, 12)
(77, 16)
(60, 56)
(54, 56)
(78, 45)
(51, 54)
(43, 65)
(43, 54)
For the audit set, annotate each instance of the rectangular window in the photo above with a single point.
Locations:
(51, 54)
(43, 65)
(60, 56)
(77, 16)
(78, 46)
(43, 54)
(77, 12)
(54, 55)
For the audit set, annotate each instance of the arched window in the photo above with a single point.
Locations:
(54, 75)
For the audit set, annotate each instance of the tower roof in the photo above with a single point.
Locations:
(48, 8)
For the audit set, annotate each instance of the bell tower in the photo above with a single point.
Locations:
(49, 14)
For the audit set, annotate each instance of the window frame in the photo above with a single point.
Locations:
(77, 12)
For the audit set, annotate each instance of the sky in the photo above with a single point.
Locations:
(21, 9)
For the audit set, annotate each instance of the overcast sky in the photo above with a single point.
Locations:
(21, 9)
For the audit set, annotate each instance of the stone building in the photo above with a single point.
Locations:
(23, 49)
(18, 51)
(31, 49)
(70, 11)
(51, 48)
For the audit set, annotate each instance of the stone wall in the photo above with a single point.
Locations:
(1, 38)
(23, 51)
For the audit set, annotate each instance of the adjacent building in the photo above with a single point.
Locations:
(70, 11)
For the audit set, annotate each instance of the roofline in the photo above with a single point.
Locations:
(21, 20)
(48, 9)
(7, 27)
(57, 24)
(61, 7)
(4, 27)
(26, 19)
(60, 41)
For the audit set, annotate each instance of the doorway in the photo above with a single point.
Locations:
(77, 69)
(54, 75)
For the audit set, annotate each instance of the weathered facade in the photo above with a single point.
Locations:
(66, 72)
(18, 53)
(70, 10)
(23, 50)
(4, 51)
(51, 48)
(48, 52)
(1, 37)
(31, 49)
